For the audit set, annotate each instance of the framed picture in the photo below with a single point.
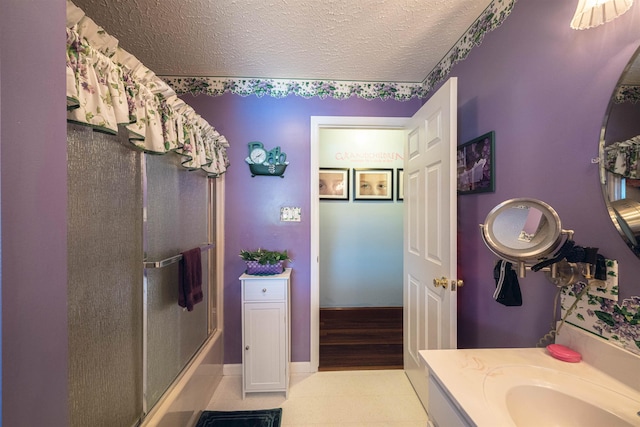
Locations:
(475, 165)
(373, 184)
(400, 185)
(334, 183)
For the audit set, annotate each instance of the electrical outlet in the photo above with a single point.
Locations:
(290, 214)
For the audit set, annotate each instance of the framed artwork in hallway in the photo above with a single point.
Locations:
(334, 183)
(400, 184)
(373, 184)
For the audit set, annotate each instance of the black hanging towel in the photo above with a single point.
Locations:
(190, 279)
(507, 287)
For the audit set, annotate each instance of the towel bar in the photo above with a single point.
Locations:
(168, 261)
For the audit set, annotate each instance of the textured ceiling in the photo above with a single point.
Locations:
(362, 40)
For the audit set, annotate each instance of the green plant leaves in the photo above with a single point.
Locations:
(264, 256)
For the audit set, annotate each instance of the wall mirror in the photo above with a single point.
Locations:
(523, 231)
(620, 155)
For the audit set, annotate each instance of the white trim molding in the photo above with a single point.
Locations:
(235, 369)
(317, 123)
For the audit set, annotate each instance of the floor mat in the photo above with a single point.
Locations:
(261, 418)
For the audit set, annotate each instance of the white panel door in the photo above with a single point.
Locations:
(430, 232)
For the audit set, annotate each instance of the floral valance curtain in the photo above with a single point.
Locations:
(111, 91)
(623, 158)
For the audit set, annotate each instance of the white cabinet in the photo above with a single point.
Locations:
(443, 412)
(266, 333)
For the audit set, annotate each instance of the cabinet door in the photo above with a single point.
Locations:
(442, 411)
(265, 346)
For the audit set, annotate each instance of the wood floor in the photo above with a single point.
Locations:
(360, 338)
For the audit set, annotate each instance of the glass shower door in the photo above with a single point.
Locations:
(176, 203)
(104, 244)
(128, 338)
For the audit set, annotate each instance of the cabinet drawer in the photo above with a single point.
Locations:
(265, 290)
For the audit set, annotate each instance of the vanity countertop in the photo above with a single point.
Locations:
(463, 373)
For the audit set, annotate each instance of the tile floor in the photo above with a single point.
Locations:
(332, 399)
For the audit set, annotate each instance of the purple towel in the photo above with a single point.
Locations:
(190, 279)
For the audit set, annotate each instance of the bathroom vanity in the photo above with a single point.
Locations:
(528, 387)
(266, 311)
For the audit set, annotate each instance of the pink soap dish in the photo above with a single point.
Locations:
(563, 353)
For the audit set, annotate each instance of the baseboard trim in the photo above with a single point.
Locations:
(235, 369)
(302, 368)
(231, 370)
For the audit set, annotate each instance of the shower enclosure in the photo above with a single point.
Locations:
(130, 216)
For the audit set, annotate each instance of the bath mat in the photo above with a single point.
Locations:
(262, 418)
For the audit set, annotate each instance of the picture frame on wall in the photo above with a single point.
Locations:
(400, 184)
(476, 165)
(372, 184)
(334, 183)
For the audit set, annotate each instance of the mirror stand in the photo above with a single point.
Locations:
(562, 273)
(528, 234)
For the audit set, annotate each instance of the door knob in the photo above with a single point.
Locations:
(456, 284)
(443, 281)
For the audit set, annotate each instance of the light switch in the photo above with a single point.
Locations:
(290, 214)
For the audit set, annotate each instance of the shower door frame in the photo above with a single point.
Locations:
(215, 207)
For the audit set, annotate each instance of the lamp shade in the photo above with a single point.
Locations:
(591, 13)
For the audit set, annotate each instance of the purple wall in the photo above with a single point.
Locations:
(253, 204)
(34, 213)
(543, 88)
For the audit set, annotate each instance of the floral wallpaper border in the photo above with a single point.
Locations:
(618, 323)
(489, 20)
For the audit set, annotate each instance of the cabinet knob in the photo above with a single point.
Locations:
(264, 289)
(246, 348)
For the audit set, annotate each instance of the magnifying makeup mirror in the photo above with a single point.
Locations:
(524, 231)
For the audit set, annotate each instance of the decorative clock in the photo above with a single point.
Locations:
(266, 162)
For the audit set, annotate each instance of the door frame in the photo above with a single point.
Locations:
(317, 123)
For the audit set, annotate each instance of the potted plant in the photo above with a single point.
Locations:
(264, 262)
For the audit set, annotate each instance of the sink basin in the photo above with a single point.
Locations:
(530, 405)
(537, 396)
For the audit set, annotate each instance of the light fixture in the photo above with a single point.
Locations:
(591, 13)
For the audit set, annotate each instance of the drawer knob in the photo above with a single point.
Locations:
(264, 289)
(246, 348)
